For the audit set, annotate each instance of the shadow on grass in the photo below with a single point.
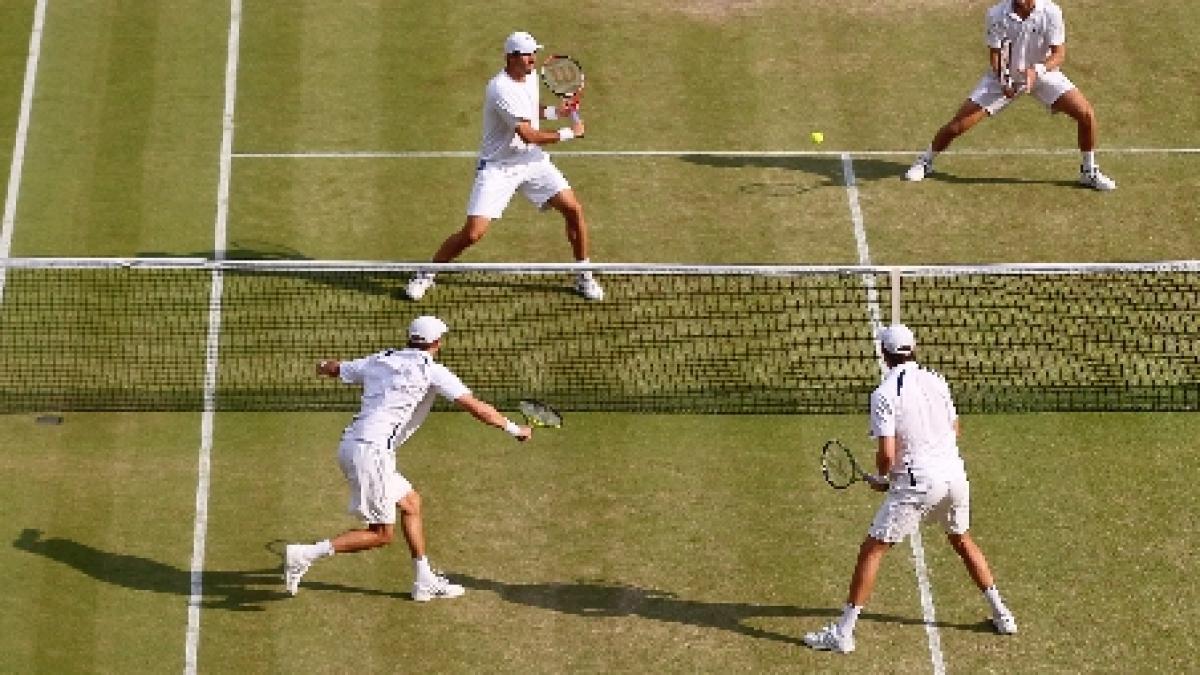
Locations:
(607, 599)
(236, 590)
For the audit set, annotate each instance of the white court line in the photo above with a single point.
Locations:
(18, 156)
(932, 634)
(212, 345)
(439, 154)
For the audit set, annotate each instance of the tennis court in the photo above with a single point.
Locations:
(688, 541)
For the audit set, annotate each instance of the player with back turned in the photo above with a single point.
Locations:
(511, 160)
(399, 387)
(916, 426)
(1036, 33)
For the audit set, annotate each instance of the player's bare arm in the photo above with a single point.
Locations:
(885, 457)
(486, 413)
(527, 133)
(329, 368)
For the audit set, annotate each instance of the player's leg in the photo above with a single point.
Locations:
(548, 188)
(373, 485)
(987, 98)
(491, 192)
(427, 584)
(1076, 106)
(471, 232)
(954, 513)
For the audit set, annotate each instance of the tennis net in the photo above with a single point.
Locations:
(141, 334)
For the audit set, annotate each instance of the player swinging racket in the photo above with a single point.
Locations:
(399, 387)
(511, 159)
(1037, 35)
(916, 426)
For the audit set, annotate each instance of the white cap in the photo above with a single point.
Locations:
(521, 43)
(897, 339)
(427, 329)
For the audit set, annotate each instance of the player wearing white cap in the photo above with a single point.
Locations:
(399, 388)
(511, 159)
(1038, 35)
(916, 426)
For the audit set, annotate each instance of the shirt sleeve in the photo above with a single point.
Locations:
(446, 383)
(511, 106)
(994, 29)
(883, 415)
(1056, 28)
(351, 372)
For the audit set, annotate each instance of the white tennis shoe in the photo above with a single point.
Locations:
(419, 285)
(830, 639)
(437, 587)
(294, 566)
(1005, 623)
(1096, 179)
(587, 286)
(921, 169)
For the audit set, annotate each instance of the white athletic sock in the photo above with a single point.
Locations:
(585, 274)
(323, 549)
(421, 569)
(993, 598)
(849, 618)
(928, 155)
(1089, 160)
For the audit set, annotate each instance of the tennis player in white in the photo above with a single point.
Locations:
(916, 426)
(511, 159)
(1038, 36)
(399, 388)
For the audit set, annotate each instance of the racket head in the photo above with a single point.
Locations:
(563, 75)
(539, 414)
(838, 465)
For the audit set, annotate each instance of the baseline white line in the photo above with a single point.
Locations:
(932, 634)
(212, 346)
(440, 154)
(18, 156)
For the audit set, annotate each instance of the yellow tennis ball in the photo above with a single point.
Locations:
(817, 137)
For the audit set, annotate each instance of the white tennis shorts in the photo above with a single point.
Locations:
(375, 485)
(944, 498)
(495, 185)
(1047, 89)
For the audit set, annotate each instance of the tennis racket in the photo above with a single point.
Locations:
(538, 414)
(564, 77)
(1004, 68)
(839, 466)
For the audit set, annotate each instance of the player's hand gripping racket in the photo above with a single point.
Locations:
(840, 468)
(538, 414)
(564, 77)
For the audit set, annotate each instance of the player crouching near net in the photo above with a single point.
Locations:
(914, 421)
(1034, 33)
(511, 159)
(399, 388)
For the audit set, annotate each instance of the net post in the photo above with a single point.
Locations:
(894, 273)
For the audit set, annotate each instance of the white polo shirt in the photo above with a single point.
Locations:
(399, 387)
(1031, 38)
(505, 103)
(914, 405)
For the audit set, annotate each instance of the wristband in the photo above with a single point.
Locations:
(550, 112)
(512, 428)
(565, 134)
(1040, 68)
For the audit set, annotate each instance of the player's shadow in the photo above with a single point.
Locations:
(828, 168)
(605, 599)
(386, 284)
(944, 177)
(236, 590)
